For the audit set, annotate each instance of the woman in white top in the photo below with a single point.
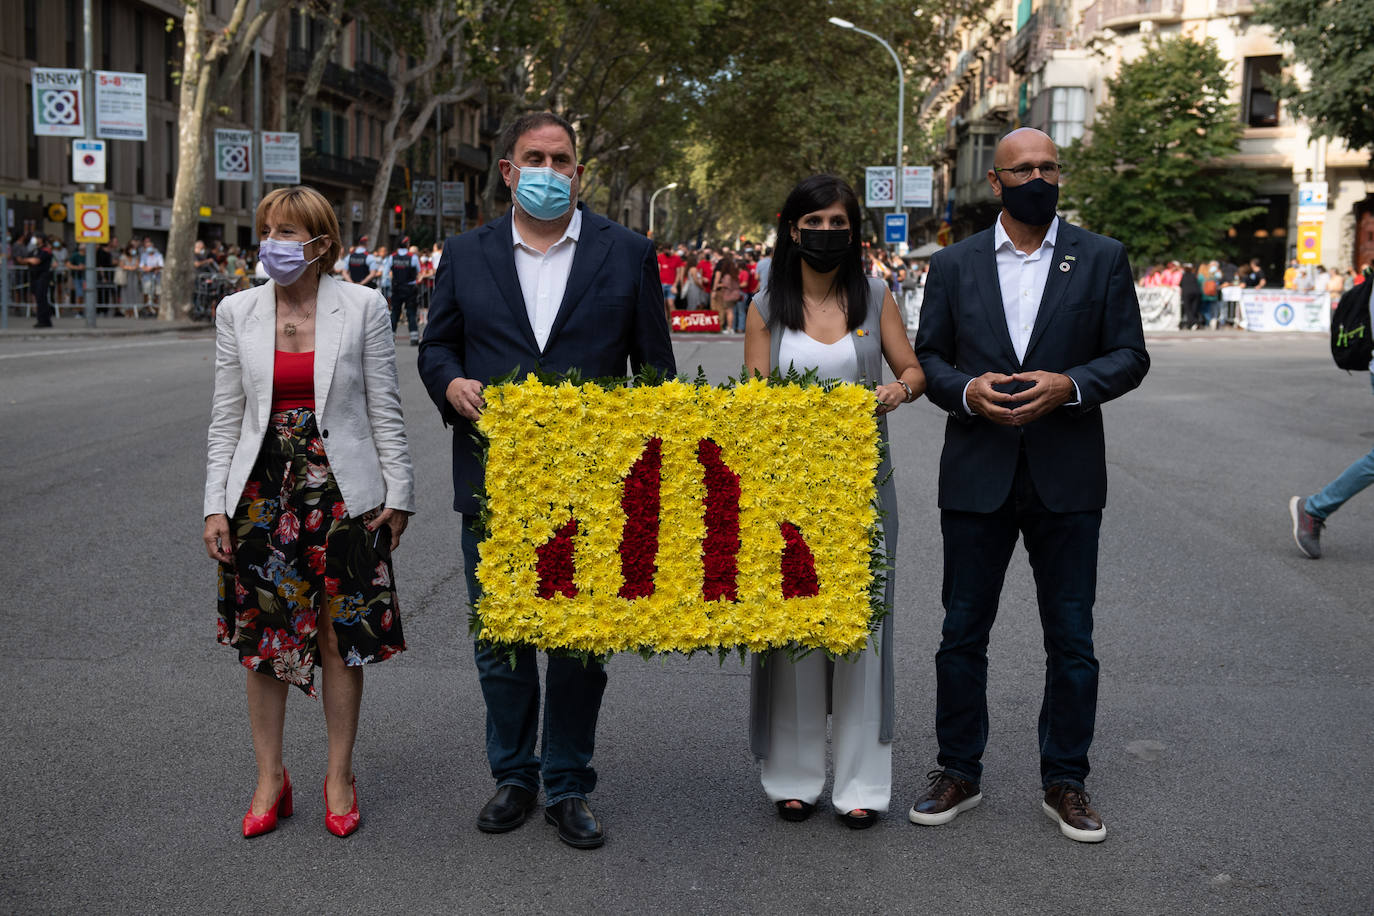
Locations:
(308, 488)
(821, 312)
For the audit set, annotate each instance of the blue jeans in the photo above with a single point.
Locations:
(669, 297)
(571, 706)
(741, 310)
(1063, 557)
(1352, 480)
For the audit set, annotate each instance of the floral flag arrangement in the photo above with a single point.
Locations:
(680, 517)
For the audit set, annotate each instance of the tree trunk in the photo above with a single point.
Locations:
(177, 276)
(275, 115)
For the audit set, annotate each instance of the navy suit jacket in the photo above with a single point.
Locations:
(1088, 328)
(611, 322)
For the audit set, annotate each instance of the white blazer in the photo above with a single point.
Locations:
(357, 396)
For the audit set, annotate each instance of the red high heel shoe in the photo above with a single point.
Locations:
(341, 824)
(258, 824)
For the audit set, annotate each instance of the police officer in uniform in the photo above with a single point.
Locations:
(405, 275)
(358, 267)
(39, 260)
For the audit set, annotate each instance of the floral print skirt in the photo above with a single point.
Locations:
(298, 554)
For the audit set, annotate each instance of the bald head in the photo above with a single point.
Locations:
(1025, 175)
(1024, 145)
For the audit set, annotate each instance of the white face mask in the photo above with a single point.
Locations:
(285, 261)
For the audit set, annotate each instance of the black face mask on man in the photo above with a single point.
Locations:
(823, 249)
(1032, 203)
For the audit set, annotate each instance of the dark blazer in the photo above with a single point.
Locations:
(610, 322)
(1088, 328)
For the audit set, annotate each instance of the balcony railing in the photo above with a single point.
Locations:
(374, 80)
(1123, 14)
(1031, 46)
(338, 169)
(997, 101)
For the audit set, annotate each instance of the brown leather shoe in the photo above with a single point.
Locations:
(946, 797)
(1078, 820)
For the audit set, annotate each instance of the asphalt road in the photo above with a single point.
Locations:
(1233, 753)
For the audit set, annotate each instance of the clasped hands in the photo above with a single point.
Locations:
(1048, 391)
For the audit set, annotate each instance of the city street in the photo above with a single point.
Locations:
(1233, 763)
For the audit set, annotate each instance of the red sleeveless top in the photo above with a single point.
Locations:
(293, 380)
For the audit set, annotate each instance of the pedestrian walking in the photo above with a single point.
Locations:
(550, 284)
(1027, 329)
(308, 489)
(1309, 515)
(820, 312)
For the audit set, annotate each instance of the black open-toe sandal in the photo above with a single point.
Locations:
(859, 821)
(794, 814)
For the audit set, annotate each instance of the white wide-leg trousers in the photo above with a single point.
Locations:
(795, 766)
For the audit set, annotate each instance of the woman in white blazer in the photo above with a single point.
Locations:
(308, 488)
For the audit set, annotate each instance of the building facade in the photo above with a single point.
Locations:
(1049, 70)
(340, 147)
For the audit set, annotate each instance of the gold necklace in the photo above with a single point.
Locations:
(289, 328)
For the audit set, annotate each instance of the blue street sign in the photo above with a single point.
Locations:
(894, 226)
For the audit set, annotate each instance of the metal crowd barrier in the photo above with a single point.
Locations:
(66, 292)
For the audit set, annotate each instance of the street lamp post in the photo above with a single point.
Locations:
(652, 198)
(898, 206)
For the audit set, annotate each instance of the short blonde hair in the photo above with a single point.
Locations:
(309, 208)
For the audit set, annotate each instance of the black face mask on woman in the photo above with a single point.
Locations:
(1032, 203)
(823, 249)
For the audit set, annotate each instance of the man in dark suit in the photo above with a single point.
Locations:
(549, 286)
(1026, 330)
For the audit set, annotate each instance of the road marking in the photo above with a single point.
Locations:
(99, 348)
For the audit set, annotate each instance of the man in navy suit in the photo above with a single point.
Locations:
(1026, 330)
(549, 286)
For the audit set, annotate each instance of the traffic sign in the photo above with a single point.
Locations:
(1312, 202)
(233, 155)
(881, 186)
(1309, 243)
(57, 103)
(92, 218)
(894, 228)
(88, 161)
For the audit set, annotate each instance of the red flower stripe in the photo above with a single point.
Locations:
(720, 548)
(555, 563)
(798, 564)
(639, 541)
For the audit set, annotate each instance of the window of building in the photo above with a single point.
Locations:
(170, 157)
(31, 149)
(171, 63)
(31, 29)
(1261, 108)
(74, 33)
(1068, 109)
(140, 28)
(107, 34)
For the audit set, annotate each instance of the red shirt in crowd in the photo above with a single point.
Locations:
(668, 265)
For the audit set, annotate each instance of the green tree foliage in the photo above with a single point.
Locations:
(1151, 171)
(1334, 41)
(797, 95)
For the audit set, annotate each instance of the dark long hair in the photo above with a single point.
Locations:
(786, 305)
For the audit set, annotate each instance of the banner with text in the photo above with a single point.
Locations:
(917, 184)
(454, 196)
(1284, 310)
(233, 155)
(281, 158)
(1160, 307)
(121, 105)
(57, 103)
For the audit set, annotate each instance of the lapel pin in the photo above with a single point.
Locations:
(861, 333)
(1069, 257)
(1064, 266)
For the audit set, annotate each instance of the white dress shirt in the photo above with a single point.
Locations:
(544, 275)
(1022, 278)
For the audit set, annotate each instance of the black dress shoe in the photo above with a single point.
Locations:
(507, 809)
(576, 824)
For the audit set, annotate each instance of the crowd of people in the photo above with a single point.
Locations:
(1202, 287)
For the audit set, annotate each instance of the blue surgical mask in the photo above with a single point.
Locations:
(543, 193)
(284, 261)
